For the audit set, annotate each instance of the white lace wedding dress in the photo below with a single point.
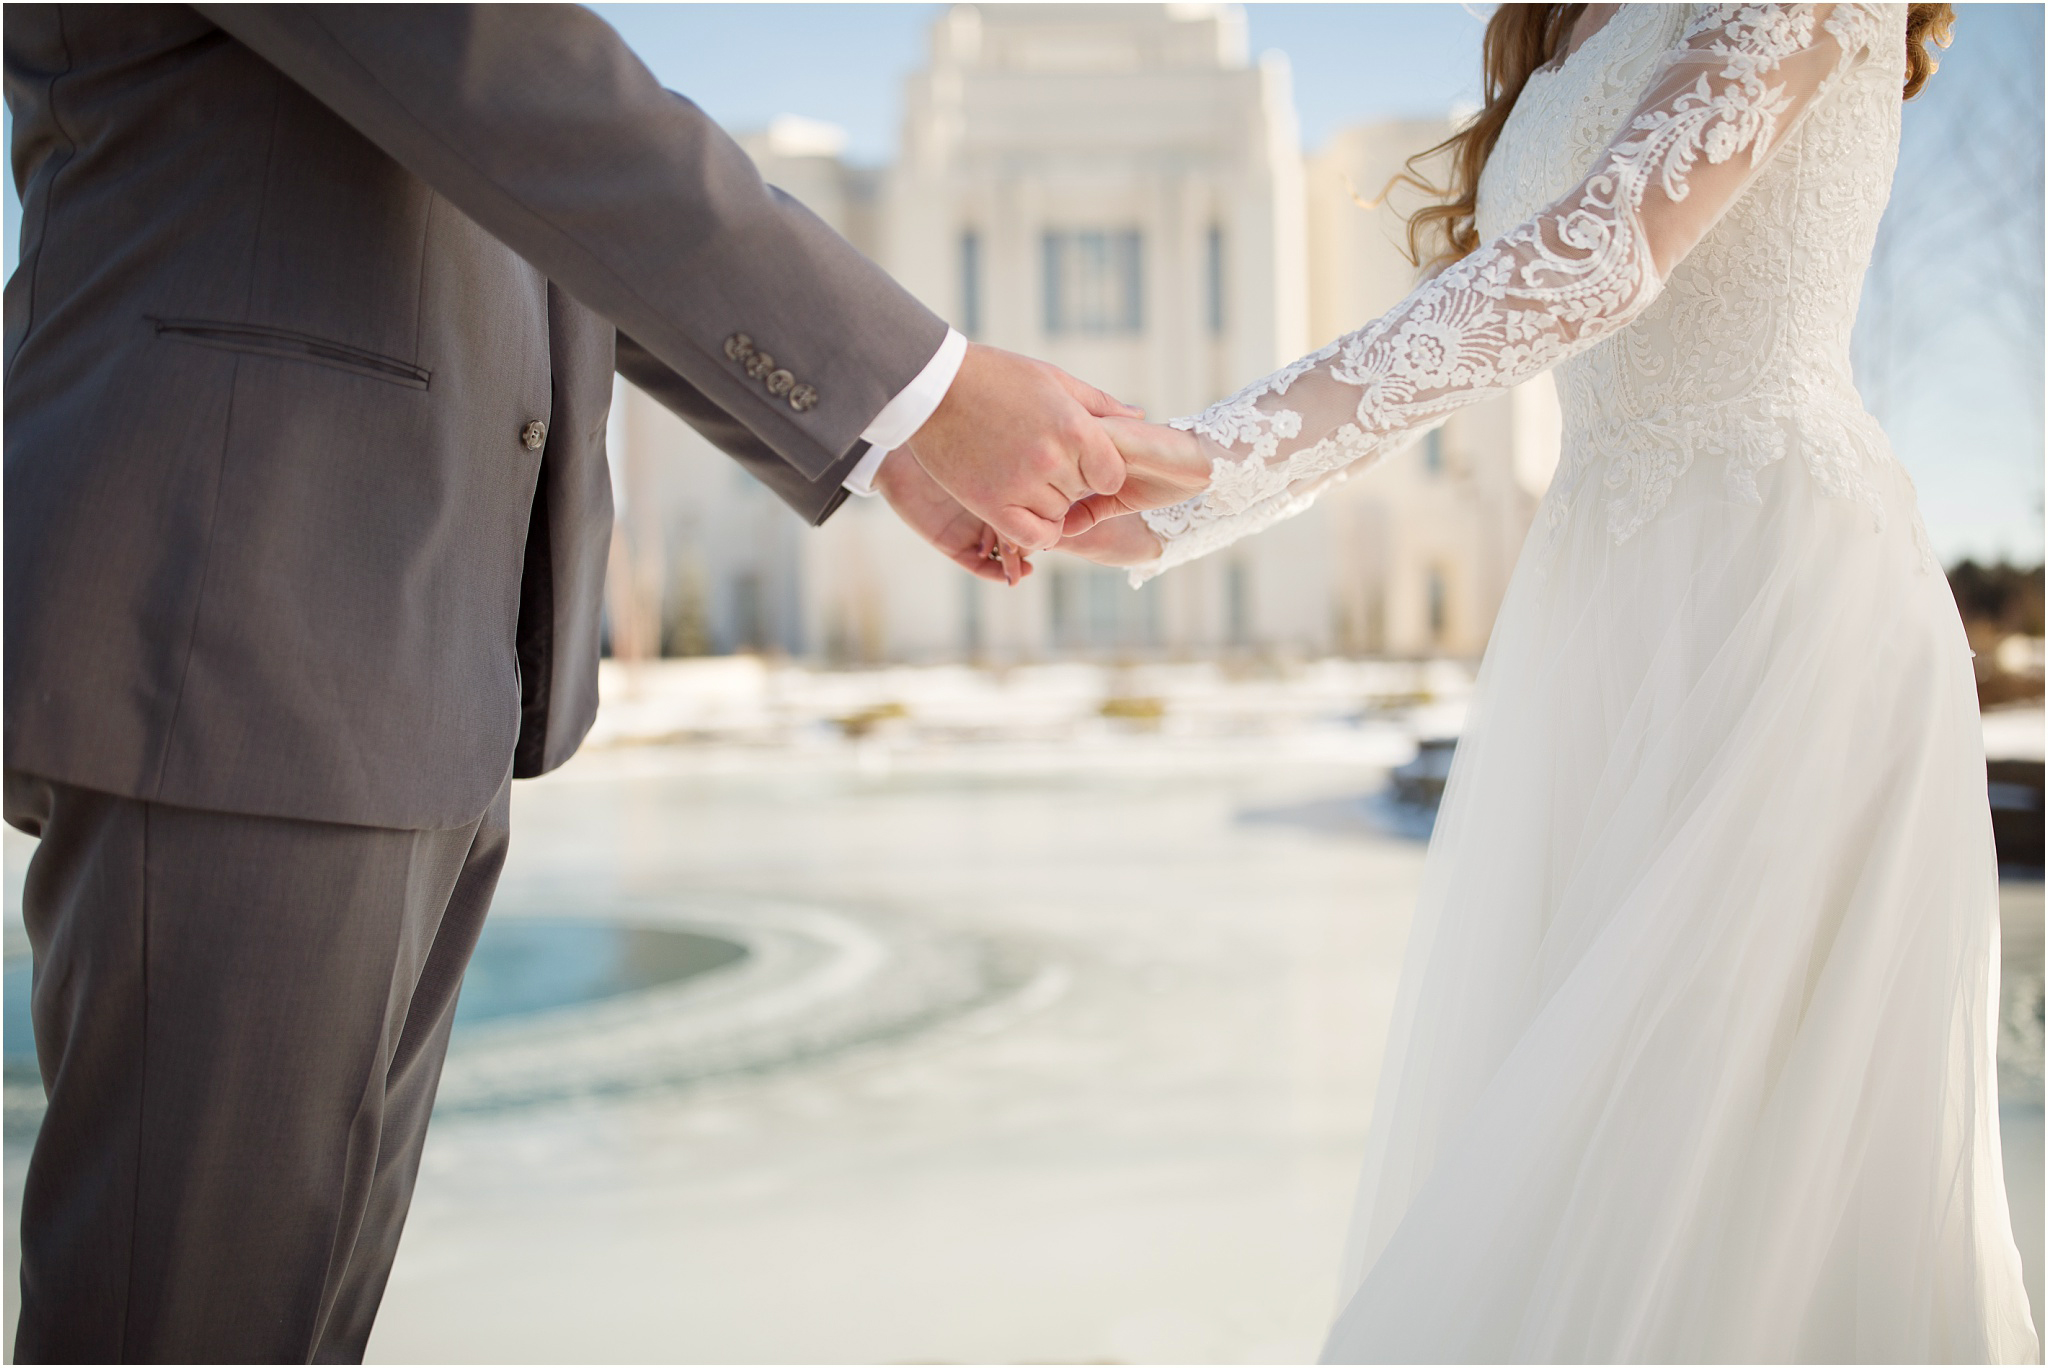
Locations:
(1693, 1054)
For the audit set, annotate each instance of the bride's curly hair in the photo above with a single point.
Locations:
(1520, 39)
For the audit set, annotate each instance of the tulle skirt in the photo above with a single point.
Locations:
(1693, 1058)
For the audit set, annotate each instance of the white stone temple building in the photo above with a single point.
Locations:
(1120, 189)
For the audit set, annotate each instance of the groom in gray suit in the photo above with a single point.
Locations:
(308, 359)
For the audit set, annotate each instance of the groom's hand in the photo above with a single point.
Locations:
(937, 516)
(1016, 441)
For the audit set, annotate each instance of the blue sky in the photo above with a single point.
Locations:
(1951, 361)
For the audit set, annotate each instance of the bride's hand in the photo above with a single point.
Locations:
(1121, 542)
(1162, 466)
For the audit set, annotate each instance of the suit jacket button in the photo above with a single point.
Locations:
(739, 347)
(803, 398)
(759, 364)
(779, 382)
(533, 435)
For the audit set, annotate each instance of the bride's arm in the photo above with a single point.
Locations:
(1729, 93)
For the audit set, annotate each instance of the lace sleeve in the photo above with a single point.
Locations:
(1729, 92)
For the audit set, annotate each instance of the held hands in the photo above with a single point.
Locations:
(1020, 456)
(1162, 466)
(1017, 443)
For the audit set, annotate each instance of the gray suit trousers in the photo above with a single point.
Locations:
(240, 1022)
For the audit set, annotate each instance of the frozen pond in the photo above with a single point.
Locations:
(800, 1048)
(1091, 1086)
(533, 965)
(1058, 1060)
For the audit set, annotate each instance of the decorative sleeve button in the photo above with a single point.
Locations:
(778, 381)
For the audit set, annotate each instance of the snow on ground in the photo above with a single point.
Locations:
(746, 700)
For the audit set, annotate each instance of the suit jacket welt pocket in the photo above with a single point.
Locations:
(292, 346)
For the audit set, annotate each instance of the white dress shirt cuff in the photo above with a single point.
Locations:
(907, 412)
(861, 479)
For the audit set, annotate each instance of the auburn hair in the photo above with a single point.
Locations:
(1520, 39)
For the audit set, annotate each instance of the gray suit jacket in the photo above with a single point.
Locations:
(308, 359)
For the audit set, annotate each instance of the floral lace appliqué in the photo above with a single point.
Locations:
(1569, 283)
